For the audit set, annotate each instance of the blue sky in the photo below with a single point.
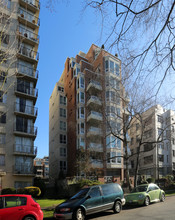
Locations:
(63, 34)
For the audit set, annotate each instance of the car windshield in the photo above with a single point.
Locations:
(140, 189)
(80, 194)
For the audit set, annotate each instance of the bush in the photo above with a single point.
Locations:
(33, 191)
(86, 182)
(21, 191)
(151, 180)
(8, 191)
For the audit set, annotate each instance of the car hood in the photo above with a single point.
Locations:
(71, 203)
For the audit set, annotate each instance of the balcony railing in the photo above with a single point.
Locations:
(26, 109)
(31, 130)
(30, 53)
(34, 3)
(25, 149)
(95, 146)
(26, 90)
(29, 17)
(23, 169)
(94, 131)
(95, 100)
(94, 84)
(95, 116)
(27, 70)
(28, 34)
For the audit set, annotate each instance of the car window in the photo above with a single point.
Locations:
(82, 193)
(12, 201)
(1, 202)
(95, 192)
(109, 189)
(140, 189)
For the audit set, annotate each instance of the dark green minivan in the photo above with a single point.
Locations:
(91, 200)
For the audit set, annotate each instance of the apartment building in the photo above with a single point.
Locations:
(19, 26)
(157, 157)
(83, 109)
(41, 167)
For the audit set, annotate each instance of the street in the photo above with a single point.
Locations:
(157, 211)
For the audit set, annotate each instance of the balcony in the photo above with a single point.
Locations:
(32, 5)
(27, 150)
(26, 110)
(27, 73)
(22, 169)
(94, 86)
(95, 146)
(24, 130)
(27, 54)
(28, 19)
(94, 117)
(26, 91)
(94, 131)
(94, 102)
(28, 36)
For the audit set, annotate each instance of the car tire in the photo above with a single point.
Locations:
(79, 214)
(117, 207)
(162, 199)
(147, 201)
(29, 218)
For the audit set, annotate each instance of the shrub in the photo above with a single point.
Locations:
(21, 191)
(33, 191)
(41, 184)
(87, 182)
(8, 191)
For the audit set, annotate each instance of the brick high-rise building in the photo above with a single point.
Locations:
(84, 106)
(19, 26)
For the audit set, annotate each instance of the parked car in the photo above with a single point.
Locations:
(19, 207)
(145, 194)
(91, 200)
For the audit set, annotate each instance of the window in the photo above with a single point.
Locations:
(113, 157)
(95, 192)
(117, 69)
(62, 100)
(82, 82)
(4, 38)
(82, 99)
(2, 118)
(81, 128)
(137, 126)
(148, 147)
(119, 160)
(148, 159)
(2, 138)
(161, 158)
(63, 165)
(62, 139)
(63, 112)
(111, 63)
(132, 164)
(173, 153)
(159, 118)
(13, 201)
(61, 89)
(173, 142)
(2, 160)
(3, 97)
(3, 76)
(63, 125)
(81, 112)
(160, 132)
(106, 65)
(63, 152)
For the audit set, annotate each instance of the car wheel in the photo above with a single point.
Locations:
(29, 218)
(117, 207)
(162, 197)
(147, 201)
(79, 214)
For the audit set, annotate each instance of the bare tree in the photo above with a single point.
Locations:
(142, 33)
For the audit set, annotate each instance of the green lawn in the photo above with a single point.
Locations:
(48, 205)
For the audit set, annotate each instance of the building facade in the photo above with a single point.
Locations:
(84, 114)
(157, 153)
(41, 167)
(19, 26)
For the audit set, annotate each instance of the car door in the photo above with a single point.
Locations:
(157, 192)
(109, 195)
(12, 208)
(94, 202)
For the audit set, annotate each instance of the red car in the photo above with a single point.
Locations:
(19, 207)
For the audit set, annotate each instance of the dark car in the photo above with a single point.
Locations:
(19, 207)
(91, 200)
